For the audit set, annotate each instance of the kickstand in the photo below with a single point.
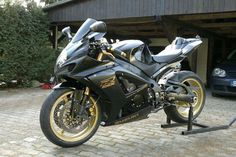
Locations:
(191, 123)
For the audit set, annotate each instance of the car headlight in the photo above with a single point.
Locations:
(219, 72)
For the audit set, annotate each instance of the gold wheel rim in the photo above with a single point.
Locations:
(81, 134)
(183, 107)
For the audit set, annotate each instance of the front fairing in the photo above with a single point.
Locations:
(79, 45)
(71, 52)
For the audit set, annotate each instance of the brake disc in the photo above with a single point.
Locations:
(65, 121)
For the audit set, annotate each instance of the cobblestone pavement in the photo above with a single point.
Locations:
(20, 133)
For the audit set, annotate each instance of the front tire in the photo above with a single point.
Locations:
(59, 127)
(179, 113)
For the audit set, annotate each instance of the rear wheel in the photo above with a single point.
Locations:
(63, 129)
(179, 113)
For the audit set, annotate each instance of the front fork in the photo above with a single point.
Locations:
(79, 106)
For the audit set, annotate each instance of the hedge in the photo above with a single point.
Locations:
(25, 51)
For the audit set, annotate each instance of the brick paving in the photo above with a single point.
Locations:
(20, 133)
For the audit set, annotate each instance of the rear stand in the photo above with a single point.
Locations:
(191, 123)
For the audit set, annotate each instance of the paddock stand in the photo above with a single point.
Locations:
(191, 123)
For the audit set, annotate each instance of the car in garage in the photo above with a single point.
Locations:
(224, 76)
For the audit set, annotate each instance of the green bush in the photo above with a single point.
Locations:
(25, 53)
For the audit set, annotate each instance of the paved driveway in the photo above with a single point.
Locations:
(20, 133)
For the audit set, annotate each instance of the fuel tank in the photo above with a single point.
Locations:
(128, 45)
(137, 56)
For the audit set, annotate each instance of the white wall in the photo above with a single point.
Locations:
(202, 60)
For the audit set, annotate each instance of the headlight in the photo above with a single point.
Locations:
(61, 59)
(219, 72)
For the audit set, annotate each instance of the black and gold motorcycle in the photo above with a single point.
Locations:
(106, 84)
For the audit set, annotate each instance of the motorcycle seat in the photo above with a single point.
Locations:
(171, 52)
(166, 56)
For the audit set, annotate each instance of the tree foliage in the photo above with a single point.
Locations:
(25, 53)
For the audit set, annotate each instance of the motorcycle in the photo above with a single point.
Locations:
(109, 84)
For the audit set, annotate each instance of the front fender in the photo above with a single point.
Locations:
(65, 85)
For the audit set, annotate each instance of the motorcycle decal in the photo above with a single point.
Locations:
(108, 82)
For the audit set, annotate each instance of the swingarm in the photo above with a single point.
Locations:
(174, 94)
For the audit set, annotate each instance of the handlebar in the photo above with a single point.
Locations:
(108, 47)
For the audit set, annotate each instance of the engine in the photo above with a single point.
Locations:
(127, 85)
(142, 99)
(139, 94)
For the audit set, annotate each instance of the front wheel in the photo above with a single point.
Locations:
(63, 129)
(179, 112)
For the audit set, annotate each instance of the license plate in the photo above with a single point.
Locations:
(233, 83)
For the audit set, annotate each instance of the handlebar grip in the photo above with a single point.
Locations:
(119, 52)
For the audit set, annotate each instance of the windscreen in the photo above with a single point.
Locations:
(83, 29)
(71, 50)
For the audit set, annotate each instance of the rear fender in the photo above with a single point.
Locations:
(177, 76)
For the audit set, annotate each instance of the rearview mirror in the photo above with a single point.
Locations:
(99, 27)
(67, 31)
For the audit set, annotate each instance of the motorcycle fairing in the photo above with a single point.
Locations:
(109, 83)
(80, 67)
(137, 71)
(102, 77)
(149, 69)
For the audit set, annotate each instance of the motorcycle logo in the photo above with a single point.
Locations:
(108, 82)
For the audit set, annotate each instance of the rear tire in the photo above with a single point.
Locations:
(188, 78)
(49, 130)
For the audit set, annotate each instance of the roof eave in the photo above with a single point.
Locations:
(56, 4)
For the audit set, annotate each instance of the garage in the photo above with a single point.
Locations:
(157, 23)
